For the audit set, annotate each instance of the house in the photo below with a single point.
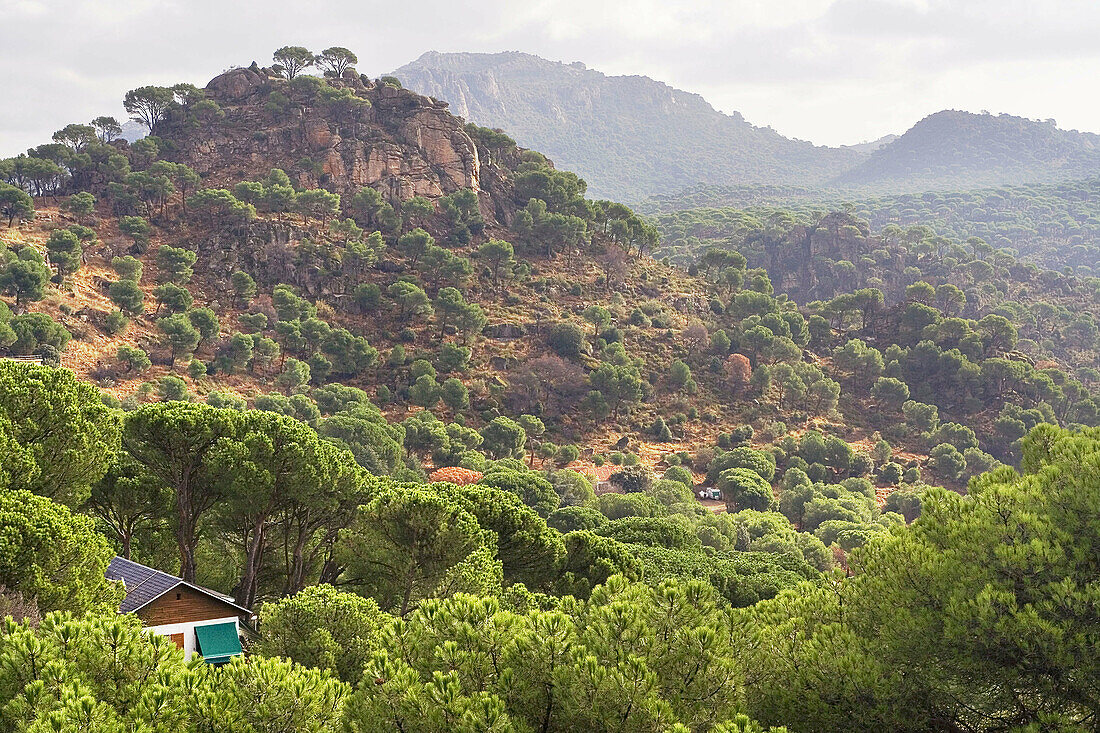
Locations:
(199, 620)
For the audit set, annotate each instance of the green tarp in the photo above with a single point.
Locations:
(218, 643)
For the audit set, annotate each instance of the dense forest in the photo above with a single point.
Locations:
(1054, 225)
(397, 384)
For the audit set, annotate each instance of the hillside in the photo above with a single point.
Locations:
(955, 149)
(279, 182)
(477, 460)
(628, 136)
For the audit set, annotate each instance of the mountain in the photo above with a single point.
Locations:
(133, 131)
(628, 136)
(955, 149)
(633, 138)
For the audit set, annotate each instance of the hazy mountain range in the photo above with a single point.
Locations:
(632, 137)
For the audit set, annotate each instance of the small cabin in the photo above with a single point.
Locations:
(199, 620)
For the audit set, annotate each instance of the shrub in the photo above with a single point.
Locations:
(453, 358)
(567, 454)
(891, 473)
(575, 518)
(128, 268)
(171, 388)
(679, 374)
(567, 340)
(632, 479)
(128, 296)
(115, 322)
(659, 429)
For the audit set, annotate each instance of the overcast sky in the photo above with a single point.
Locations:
(830, 71)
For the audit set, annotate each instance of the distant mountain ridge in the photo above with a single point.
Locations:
(955, 148)
(633, 138)
(628, 136)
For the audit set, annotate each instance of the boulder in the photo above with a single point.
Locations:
(235, 84)
(505, 331)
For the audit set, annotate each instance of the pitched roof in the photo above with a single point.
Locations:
(144, 585)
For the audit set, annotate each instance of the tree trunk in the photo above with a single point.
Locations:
(408, 589)
(296, 569)
(330, 571)
(185, 542)
(245, 592)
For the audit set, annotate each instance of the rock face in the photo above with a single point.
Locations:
(402, 144)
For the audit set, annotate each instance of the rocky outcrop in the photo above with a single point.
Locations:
(236, 84)
(401, 144)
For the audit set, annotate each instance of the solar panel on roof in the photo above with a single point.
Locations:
(142, 583)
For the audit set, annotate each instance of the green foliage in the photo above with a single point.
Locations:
(401, 546)
(174, 264)
(135, 359)
(127, 268)
(115, 322)
(336, 60)
(574, 518)
(138, 229)
(58, 677)
(64, 251)
(743, 488)
(180, 336)
(38, 333)
(982, 617)
(172, 298)
(53, 556)
(219, 209)
(632, 479)
(67, 435)
(360, 427)
(25, 276)
(128, 296)
(504, 438)
(324, 628)
(317, 204)
(292, 60)
(532, 488)
(567, 340)
(172, 388)
(620, 386)
(15, 203)
(667, 532)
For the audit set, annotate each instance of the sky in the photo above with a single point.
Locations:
(829, 71)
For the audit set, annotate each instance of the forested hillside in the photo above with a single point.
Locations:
(628, 136)
(481, 463)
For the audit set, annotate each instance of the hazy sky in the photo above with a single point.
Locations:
(830, 71)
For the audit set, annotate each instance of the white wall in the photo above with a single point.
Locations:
(188, 630)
